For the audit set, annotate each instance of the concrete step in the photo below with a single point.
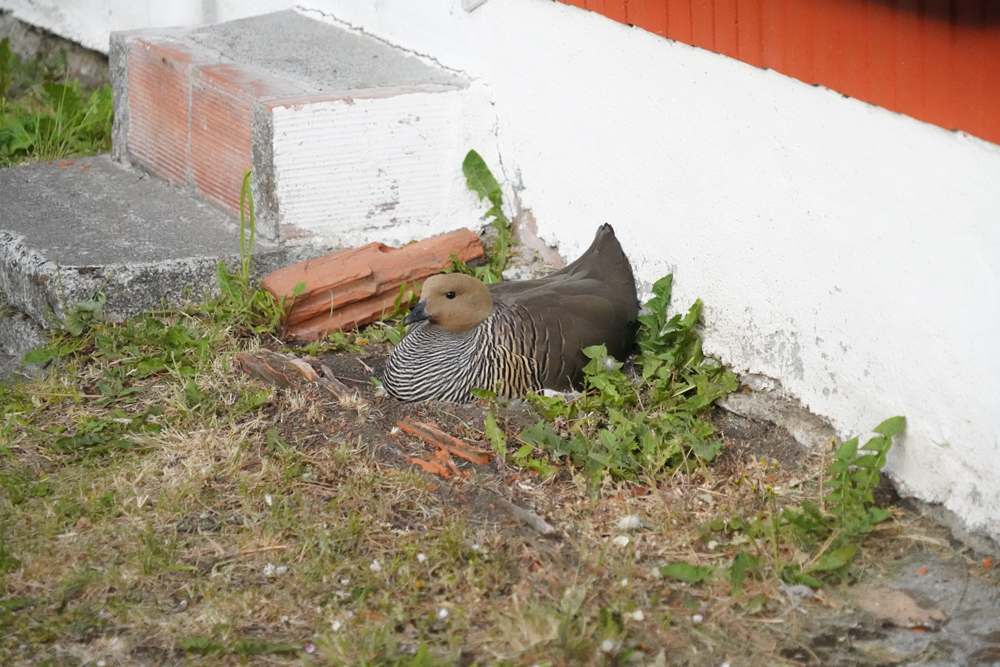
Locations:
(69, 227)
(350, 140)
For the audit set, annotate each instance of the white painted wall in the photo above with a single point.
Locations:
(849, 251)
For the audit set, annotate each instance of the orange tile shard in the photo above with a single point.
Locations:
(355, 286)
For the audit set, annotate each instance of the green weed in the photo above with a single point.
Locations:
(241, 303)
(481, 181)
(627, 426)
(828, 534)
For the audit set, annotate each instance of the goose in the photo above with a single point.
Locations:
(515, 337)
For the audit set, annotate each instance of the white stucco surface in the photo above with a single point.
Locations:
(848, 251)
(384, 167)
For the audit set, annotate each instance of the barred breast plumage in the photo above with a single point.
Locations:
(515, 337)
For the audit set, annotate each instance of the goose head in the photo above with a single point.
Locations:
(452, 301)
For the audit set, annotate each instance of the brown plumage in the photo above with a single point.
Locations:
(515, 337)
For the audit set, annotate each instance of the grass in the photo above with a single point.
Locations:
(44, 115)
(159, 507)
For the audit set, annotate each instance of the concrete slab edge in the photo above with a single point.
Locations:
(28, 280)
(978, 541)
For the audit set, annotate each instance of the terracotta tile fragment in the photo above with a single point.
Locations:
(355, 286)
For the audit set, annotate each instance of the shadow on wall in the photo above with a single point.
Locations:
(29, 42)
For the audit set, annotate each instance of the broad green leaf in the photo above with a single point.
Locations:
(688, 573)
(866, 461)
(192, 394)
(39, 355)
(737, 573)
(524, 451)
(835, 560)
(495, 436)
(480, 180)
(847, 451)
(891, 427)
(808, 580)
(201, 645)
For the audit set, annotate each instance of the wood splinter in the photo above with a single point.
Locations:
(442, 440)
(286, 370)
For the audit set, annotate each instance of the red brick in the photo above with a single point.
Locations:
(222, 98)
(352, 287)
(221, 120)
(158, 104)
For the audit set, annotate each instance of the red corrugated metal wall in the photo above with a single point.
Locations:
(934, 60)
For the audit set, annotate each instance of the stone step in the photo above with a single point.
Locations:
(350, 140)
(73, 227)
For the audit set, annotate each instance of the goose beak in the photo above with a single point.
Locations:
(417, 313)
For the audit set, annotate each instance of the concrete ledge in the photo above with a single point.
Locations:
(70, 228)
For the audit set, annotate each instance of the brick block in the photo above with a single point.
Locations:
(353, 287)
(159, 103)
(349, 140)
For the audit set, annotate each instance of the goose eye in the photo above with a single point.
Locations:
(449, 295)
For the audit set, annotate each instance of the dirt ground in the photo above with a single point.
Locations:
(909, 553)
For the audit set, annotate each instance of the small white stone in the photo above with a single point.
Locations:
(697, 618)
(422, 558)
(624, 583)
(800, 591)
(335, 625)
(712, 544)
(268, 499)
(637, 615)
(442, 614)
(375, 566)
(621, 541)
(607, 646)
(344, 582)
(632, 522)
(101, 663)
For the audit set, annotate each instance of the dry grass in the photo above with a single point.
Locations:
(290, 534)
